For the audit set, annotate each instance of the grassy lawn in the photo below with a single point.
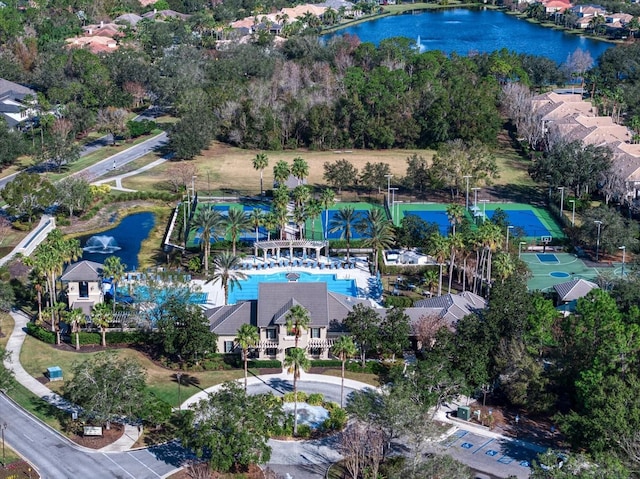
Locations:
(370, 379)
(36, 357)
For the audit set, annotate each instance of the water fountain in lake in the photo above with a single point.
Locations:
(101, 244)
(314, 416)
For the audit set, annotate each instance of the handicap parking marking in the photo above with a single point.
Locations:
(483, 445)
(466, 445)
(491, 453)
(525, 464)
(505, 460)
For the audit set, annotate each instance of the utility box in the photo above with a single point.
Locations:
(54, 373)
(464, 413)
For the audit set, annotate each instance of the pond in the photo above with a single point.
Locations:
(122, 241)
(463, 31)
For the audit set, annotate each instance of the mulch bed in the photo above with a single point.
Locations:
(97, 442)
(18, 469)
(254, 472)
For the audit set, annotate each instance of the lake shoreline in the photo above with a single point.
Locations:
(395, 10)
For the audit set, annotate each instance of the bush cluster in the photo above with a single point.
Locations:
(326, 363)
(398, 301)
(41, 333)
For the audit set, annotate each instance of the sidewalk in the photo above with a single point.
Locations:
(118, 179)
(14, 346)
(33, 239)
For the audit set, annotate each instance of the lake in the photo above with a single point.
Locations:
(122, 241)
(463, 30)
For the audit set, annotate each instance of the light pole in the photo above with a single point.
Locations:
(520, 247)
(179, 378)
(561, 188)
(599, 225)
(466, 177)
(475, 195)
(573, 212)
(388, 177)
(509, 227)
(393, 203)
(484, 209)
(624, 251)
(193, 186)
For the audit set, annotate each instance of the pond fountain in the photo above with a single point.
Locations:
(101, 244)
(314, 416)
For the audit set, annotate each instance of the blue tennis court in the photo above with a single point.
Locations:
(525, 219)
(249, 236)
(548, 258)
(438, 217)
(360, 214)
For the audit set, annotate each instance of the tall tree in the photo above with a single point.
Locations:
(76, 318)
(297, 319)
(281, 172)
(345, 221)
(210, 221)
(377, 232)
(236, 223)
(296, 361)
(114, 268)
(340, 174)
(248, 337)
(112, 120)
(260, 162)
(343, 348)
(300, 169)
(439, 249)
(327, 199)
(226, 271)
(364, 324)
(102, 316)
(394, 332)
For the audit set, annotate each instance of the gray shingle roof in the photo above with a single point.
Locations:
(226, 320)
(572, 290)
(273, 298)
(82, 271)
(454, 307)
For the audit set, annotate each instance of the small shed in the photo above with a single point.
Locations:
(54, 373)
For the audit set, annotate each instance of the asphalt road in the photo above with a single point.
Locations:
(55, 457)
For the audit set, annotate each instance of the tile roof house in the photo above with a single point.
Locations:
(95, 44)
(268, 313)
(84, 285)
(556, 6)
(111, 30)
(12, 108)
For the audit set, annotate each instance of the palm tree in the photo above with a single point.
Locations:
(226, 271)
(257, 219)
(209, 221)
(248, 337)
(236, 223)
(301, 194)
(345, 220)
(297, 319)
(114, 268)
(455, 213)
(270, 223)
(281, 172)
(456, 244)
(300, 216)
(430, 279)
(378, 232)
(327, 200)
(314, 208)
(344, 348)
(260, 162)
(101, 316)
(76, 319)
(439, 249)
(300, 169)
(505, 266)
(296, 361)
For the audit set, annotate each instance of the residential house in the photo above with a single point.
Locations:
(570, 292)
(269, 314)
(556, 6)
(585, 13)
(111, 30)
(95, 44)
(130, 19)
(83, 282)
(156, 14)
(12, 107)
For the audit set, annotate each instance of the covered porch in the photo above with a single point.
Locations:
(295, 248)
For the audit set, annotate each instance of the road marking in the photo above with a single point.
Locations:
(135, 458)
(127, 472)
(505, 460)
(28, 437)
(466, 445)
(488, 442)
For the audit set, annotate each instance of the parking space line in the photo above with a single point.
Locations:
(481, 446)
(456, 437)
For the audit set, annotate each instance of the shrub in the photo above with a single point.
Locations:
(315, 399)
(290, 397)
(336, 420)
(371, 367)
(304, 430)
(326, 363)
(265, 363)
(127, 337)
(88, 338)
(398, 301)
(41, 333)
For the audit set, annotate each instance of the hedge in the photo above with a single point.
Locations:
(41, 333)
(265, 363)
(398, 301)
(326, 363)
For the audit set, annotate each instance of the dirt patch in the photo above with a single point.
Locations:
(109, 436)
(105, 218)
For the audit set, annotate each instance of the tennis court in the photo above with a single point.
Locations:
(361, 210)
(533, 221)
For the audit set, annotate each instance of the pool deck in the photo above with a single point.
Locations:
(215, 293)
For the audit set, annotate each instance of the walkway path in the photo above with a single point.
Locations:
(32, 240)
(14, 346)
(118, 179)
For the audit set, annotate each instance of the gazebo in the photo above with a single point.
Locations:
(276, 246)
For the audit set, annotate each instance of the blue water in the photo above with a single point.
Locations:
(249, 287)
(467, 31)
(524, 219)
(129, 234)
(141, 293)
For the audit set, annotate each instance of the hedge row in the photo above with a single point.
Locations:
(326, 363)
(41, 333)
(398, 301)
(113, 337)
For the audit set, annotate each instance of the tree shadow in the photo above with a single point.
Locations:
(531, 195)
(172, 453)
(281, 386)
(184, 379)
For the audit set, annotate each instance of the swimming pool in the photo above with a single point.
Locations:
(249, 287)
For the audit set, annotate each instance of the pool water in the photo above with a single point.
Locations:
(249, 288)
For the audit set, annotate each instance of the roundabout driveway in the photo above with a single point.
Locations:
(298, 459)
